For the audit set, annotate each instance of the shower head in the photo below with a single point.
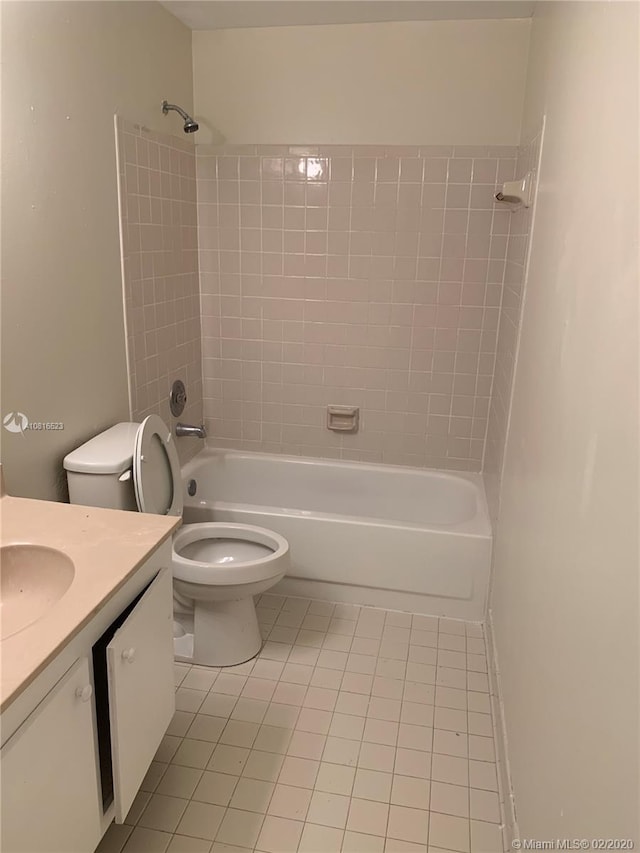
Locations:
(190, 125)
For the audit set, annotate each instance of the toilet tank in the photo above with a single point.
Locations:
(99, 472)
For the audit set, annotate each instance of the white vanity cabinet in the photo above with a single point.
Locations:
(141, 689)
(95, 719)
(55, 812)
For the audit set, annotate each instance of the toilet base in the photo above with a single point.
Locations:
(225, 633)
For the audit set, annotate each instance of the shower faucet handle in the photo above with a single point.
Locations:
(188, 430)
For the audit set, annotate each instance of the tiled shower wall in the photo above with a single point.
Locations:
(520, 222)
(361, 276)
(158, 221)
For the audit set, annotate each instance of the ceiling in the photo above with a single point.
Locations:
(230, 14)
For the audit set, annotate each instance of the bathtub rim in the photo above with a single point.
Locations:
(477, 526)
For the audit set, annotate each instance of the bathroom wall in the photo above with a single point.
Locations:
(404, 83)
(513, 292)
(355, 275)
(157, 189)
(565, 593)
(67, 67)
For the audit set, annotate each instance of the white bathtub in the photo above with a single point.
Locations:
(380, 535)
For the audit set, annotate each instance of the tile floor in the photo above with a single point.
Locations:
(356, 730)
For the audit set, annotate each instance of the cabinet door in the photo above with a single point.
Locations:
(50, 796)
(141, 689)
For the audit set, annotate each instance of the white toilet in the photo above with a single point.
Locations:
(217, 568)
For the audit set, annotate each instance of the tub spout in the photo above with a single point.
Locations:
(183, 430)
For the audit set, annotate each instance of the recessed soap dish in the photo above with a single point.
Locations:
(343, 418)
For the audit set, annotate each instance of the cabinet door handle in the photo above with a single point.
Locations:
(84, 693)
(129, 655)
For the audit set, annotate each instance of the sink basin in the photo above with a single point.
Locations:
(32, 579)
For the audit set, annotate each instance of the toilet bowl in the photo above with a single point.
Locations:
(217, 568)
(221, 567)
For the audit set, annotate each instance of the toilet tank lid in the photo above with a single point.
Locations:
(110, 452)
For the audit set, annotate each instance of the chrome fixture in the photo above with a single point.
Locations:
(177, 398)
(187, 430)
(190, 125)
(518, 193)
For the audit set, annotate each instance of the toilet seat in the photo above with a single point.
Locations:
(156, 469)
(269, 561)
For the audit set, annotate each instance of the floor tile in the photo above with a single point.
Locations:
(228, 759)
(479, 702)
(163, 813)
(139, 804)
(381, 708)
(155, 773)
(387, 688)
(179, 781)
(413, 762)
(185, 844)
(408, 824)
(290, 802)
(381, 731)
(240, 828)
(188, 699)
(281, 716)
(410, 791)
(347, 726)
(279, 835)
(485, 837)
(328, 809)
(258, 688)
(451, 719)
(306, 745)
(167, 748)
(449, 832)
(415, 737)
(263, 765)
(367, 815)
(357, 682)
(449, 799)
(448, 768)
(249, 710)
(300, 772)
(422, 693)
(215, 788)
(359, 842)
(372, 785)
(238, 733)
(321, 698)
(205, 727)
(144, 840)
(320, 839)
(314, 720)
(201, 820)
(273, 739)
(355, 730)
(200, 678)
(417, 714)
(356, 704)
(450, 743)
(377, 756)
(483, 774)
(342, 751)
(481, 748)
(485, 806)
(114, 838)
(335, 778)
(252, 795)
